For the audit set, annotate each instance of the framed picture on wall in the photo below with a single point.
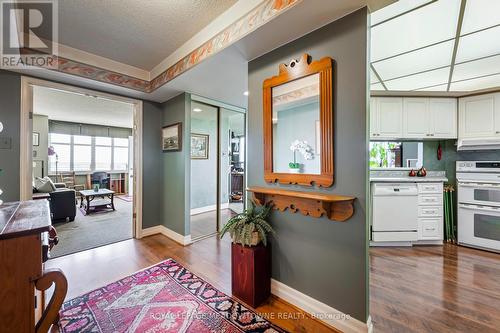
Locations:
(199, 146)
(36, 139)
(171, 137)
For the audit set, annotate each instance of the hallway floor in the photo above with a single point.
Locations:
(209, 258)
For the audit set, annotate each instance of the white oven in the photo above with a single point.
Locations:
(479, 226)
(479, 204)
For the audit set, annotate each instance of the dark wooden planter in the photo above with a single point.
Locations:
(251, 273)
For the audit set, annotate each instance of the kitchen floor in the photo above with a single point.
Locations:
(434, 289)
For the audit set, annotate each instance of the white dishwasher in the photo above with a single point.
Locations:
(394, 212)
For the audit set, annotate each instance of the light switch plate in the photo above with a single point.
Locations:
(5, 143)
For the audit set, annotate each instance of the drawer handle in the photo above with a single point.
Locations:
(430, 229)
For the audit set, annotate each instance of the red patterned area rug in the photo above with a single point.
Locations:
(163, 298)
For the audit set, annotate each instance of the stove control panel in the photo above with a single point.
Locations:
(478, 166)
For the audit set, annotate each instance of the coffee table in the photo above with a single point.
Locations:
(103, 198)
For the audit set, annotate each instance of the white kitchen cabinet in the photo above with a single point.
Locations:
(386, 117)
(433, 118)
(393, 118)
(415, 117)
(443, 118)
(479, 116)
(430, 211)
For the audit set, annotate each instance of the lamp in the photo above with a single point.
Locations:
(52, 152)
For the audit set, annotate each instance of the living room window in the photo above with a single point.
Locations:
(81, 153)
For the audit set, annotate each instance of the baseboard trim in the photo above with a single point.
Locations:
(319, 310)
(161, 229)
(205, 209)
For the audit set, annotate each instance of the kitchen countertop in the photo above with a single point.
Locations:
(407, 179)
(401, 176)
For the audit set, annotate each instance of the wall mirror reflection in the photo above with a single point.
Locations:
(387, 155)
(296, 126)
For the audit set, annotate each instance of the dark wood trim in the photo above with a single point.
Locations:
(336, 207)
(297, 69)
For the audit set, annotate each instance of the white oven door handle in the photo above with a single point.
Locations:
(480, 208)
(482, 185)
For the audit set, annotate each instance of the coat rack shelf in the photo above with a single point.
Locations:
(336, 207)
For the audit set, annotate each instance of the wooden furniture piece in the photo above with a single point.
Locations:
(298, 69)
(117, 182)
(23, 231)
(105, 199)
(251, 273)
(69, 179)
(237, 185)
(335, 207)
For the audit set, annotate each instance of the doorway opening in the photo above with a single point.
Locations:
(217, 167)
(84, 158)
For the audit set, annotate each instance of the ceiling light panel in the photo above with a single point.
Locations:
(431, 24)
(482, 67)
(417, 81)
(431, 57)
(373, 77)
(441, 87)
(395, 9)
(377, 86)
(486, 82)
(478, 45)
(480, 14)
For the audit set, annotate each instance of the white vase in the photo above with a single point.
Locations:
(294, 170)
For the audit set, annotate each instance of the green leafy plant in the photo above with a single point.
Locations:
(242, 226)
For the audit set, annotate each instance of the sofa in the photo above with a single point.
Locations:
(62, 202)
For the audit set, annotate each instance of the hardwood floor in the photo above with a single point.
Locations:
(418, 289)
(208, 258)
(434, 289)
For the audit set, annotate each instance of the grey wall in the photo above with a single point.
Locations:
(176, 166)
(152, 194)
(10, 104)
(40, 152)
(324, 259)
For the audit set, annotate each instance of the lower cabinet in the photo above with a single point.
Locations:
(430, 211)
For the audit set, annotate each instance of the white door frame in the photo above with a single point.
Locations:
(26, 159)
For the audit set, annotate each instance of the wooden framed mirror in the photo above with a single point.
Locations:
(298, 123)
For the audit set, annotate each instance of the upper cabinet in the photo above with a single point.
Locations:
(479, 116)
(413, 118)
(386, 116)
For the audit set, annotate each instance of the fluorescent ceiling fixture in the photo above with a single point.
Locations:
(473, 69)
(476, 84)
(478, 45)
(373, 77)
(422, 80)
(422, 27)
(441, 87)
(395, 9)
(377, 86)
(431, 57)
(197, 110)
(480, 14)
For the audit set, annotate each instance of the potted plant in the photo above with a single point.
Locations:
(250, 255)
(303, 148)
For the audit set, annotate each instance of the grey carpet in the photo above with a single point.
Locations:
(98, 229)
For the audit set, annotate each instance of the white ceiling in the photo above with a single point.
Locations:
(137, 33)
(430, 45)
(68, 106)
